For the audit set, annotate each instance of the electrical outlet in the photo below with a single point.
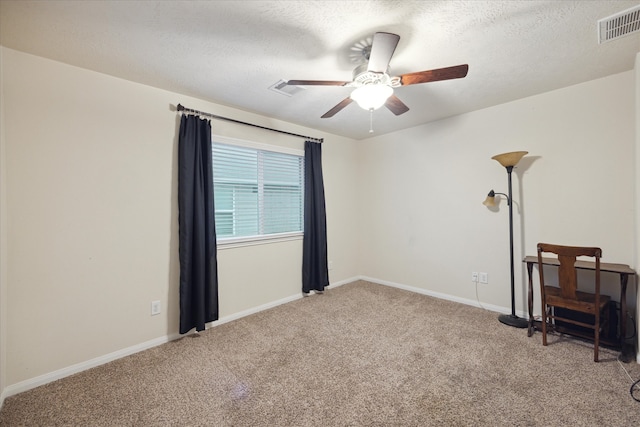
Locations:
(155, 307)
(474, 277)
(330, 265)
(484, 278)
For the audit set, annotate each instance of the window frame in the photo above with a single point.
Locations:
(234, 242)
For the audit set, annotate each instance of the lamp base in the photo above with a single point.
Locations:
(515, 321)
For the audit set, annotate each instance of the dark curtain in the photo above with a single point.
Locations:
(197, 244)
(315, 271)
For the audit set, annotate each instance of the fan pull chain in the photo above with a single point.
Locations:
(371, 120)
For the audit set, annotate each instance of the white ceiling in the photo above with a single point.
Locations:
(231, 52)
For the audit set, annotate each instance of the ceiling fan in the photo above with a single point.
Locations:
(374, 86)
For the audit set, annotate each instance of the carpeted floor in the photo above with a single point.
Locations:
(359, 355)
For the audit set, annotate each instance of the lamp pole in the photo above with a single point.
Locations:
(512, 319)
(509, 160)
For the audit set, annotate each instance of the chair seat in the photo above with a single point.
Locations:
(584, 302)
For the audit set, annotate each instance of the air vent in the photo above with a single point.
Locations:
(619, 25)
(283, 88)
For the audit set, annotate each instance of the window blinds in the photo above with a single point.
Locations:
(256, 192)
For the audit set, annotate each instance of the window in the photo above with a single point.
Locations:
(258, 192)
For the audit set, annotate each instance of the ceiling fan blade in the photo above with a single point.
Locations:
(337, 108)
(448, 73)
(316, 83)
(396, 106)
(382, 48)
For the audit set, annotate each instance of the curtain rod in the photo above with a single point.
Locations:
(202, 113)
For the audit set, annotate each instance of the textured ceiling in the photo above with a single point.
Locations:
(231, 52)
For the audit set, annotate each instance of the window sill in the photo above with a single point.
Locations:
(239, 242)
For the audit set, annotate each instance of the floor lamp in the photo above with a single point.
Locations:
(509, 160)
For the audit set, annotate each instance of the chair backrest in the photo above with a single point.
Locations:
(567, 273)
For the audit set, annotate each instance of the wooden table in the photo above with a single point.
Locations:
(621, 269)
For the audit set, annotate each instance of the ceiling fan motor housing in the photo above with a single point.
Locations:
(362, 76)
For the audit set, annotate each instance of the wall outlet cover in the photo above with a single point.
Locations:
(155, 307)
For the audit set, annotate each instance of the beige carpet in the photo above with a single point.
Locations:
(358, 355)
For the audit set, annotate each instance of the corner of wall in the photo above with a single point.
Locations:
(3, 240)
(637, 204)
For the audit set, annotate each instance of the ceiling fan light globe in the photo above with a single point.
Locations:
(371, 97)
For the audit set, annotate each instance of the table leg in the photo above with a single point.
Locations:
(626, 354)
(530, 327)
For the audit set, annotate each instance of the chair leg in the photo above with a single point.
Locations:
(544, 324)
(598, 326)
(597, 336)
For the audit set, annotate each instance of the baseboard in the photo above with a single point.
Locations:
(344, 282)
(101, 360)
(253, 310)
(3, 395)
(269, 305)
(474, 303)
(83, 366)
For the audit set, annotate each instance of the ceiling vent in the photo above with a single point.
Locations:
(619, 25)
(283, 88)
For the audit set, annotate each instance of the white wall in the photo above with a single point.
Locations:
(91, 224)
(423, 224)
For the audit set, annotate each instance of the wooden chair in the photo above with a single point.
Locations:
(567, 295)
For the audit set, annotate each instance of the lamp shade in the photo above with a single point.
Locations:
(373, 96)
(510, 159)
(490, 200)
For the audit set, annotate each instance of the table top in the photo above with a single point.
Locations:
(586, 265)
